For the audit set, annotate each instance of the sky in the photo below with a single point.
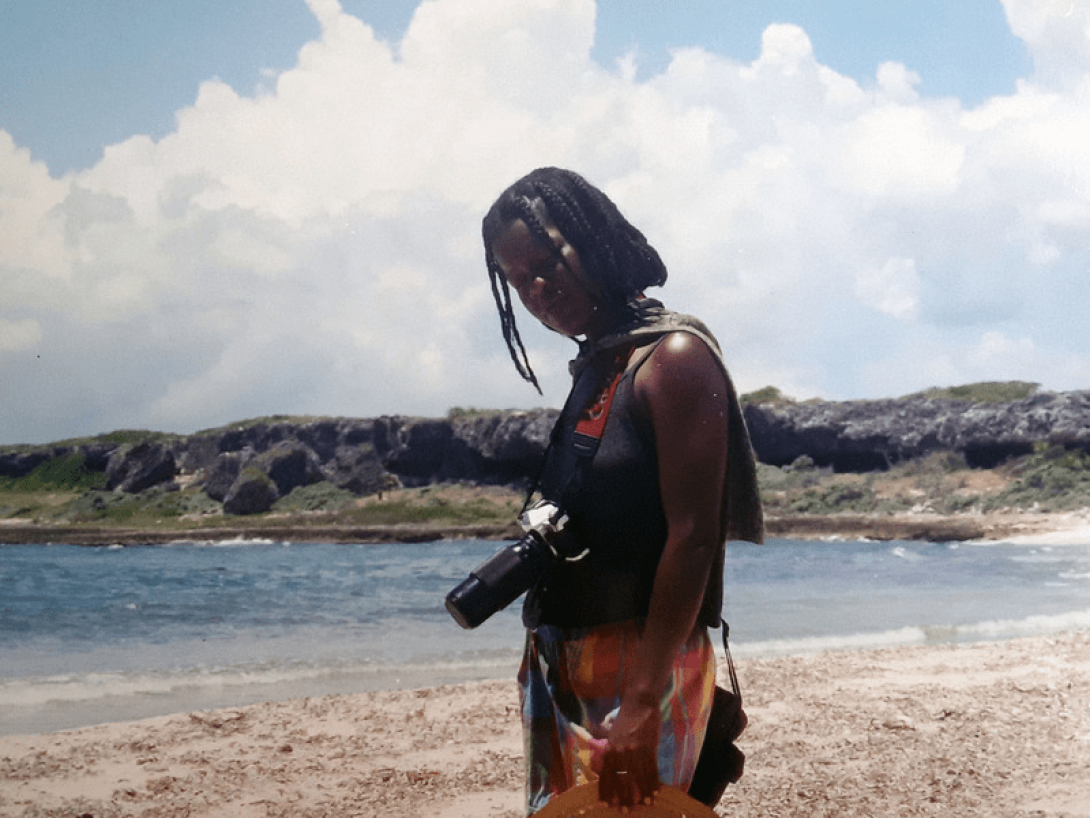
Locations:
(215, 211)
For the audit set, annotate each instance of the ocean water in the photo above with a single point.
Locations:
(92, 635)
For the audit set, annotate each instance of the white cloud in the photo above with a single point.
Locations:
(314, 247)
(897, 150)
(19, 335)
(897, 83)
(892, 289)
(995, 352)
(1057, 33)
(29, 237)
(784, 48)
(991, 355)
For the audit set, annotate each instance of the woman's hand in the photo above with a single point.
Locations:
(629, 773)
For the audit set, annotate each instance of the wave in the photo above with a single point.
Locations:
(234, 542)
(189, 542)
(993, 630)
(1077, 536)
(801, 646)
(315, 677)
(1030, 626)
(36, 691)
(41, 704)
(31, 692)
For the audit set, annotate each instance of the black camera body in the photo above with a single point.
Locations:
(503, 577)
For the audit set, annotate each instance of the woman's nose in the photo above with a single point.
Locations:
(533, 295)
(538, 285)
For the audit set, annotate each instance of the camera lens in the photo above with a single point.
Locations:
(470, 603)
(498, 581)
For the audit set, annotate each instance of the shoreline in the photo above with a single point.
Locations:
(13, 534)
(914, 526)
(1000, 729)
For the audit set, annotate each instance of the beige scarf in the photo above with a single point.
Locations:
(742, 518)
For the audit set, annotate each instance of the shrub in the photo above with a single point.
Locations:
(323, 496)
(148, 507)
(1051, 479)
(769, 394)
(982, 392)
(65, 473)
(456, 412)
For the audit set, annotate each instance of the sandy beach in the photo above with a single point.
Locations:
(992, 730)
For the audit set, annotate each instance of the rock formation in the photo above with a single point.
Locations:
(133, 469)
(247, 467)
(858, 436)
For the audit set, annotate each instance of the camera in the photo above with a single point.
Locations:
(499, 580)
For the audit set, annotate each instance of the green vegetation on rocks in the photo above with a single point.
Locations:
(155, 507)
(1051, 479)
(447, 505)
(767, 395)
(323, 496)
(982, 392)
(67, 472)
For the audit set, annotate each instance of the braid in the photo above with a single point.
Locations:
(502, 294)
(612, 251)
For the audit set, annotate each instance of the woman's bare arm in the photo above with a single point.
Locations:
(684, 389)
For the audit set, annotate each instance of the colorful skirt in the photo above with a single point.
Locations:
(570, 685)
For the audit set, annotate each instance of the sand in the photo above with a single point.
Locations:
(991, 730)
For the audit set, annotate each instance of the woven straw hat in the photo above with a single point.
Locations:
(582, 802)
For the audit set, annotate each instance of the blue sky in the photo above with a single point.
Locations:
(77, 76)
(212, 211)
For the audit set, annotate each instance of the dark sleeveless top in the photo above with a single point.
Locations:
(615, 505)
(615, 511)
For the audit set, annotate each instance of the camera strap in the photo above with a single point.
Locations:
(591, 397)
(592, 423)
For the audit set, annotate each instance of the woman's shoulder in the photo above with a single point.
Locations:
(680, 367)
(683, 349)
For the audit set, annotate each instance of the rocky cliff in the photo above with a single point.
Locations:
(248, 466)
(857, 436)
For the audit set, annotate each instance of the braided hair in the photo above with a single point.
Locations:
(613, 253)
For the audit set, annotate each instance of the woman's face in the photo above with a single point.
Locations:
(557, 293)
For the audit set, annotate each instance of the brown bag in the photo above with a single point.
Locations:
(721, 762)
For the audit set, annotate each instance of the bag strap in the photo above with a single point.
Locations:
(730, 662)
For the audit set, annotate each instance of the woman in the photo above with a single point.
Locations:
(618, 674)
